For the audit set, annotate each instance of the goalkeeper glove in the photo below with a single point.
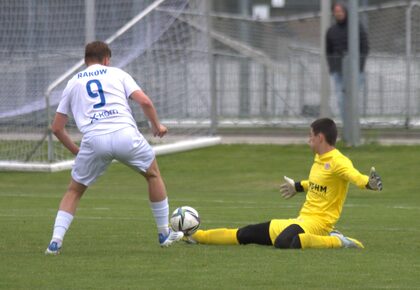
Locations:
(288, 189)
(375, 181)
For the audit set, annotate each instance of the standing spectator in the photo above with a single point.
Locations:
(337, 49)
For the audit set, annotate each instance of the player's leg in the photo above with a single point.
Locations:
(220, 236)
(339, 91)
(334, 240)
(91, 161)
(65, 214)
(289, 238)
(347, 242)
(305, 234)
(251, 234)
(132, 149)
(72, 197)
(255, 234)
(156, 185)
(312, 241)
(160, 205)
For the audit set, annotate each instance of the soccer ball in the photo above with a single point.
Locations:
(185, 219)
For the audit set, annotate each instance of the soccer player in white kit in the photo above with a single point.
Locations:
(98, 99)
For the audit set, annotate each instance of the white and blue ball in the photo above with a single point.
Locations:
(185, 219)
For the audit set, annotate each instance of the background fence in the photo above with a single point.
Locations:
(266, 72)
(292, 86)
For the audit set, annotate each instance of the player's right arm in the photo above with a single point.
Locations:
(58, 127)
(289, 188)
(149, 110)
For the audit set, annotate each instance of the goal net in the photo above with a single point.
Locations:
(42, 46)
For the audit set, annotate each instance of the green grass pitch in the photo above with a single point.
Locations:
(112, 243)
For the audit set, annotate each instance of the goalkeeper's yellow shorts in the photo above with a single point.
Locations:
(310, 226)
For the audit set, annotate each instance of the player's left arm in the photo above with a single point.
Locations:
(134, 92)
(58, 127)
(375, 181)
(345, 169)
(149, 110)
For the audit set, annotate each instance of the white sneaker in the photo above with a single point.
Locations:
(53, 249)
(172, 237)
(347, 242)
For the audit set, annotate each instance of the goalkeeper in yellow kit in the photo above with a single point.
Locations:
(326, 190)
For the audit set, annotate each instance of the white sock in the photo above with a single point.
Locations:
(61, 225)
(160, 212)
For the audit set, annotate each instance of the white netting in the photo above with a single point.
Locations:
(267, 72)
(289, 85)
(42, 41)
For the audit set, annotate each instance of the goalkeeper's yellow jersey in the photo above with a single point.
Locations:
(327, 187)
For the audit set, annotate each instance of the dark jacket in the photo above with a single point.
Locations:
(337, 47)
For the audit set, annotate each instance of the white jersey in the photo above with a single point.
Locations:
(98, 99)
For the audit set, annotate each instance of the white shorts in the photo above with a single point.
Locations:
(97, 152)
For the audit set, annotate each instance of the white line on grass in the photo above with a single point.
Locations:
(209, 222)
(76, 217)
(272, 204)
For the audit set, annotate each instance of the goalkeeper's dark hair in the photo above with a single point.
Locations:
(327, 127)
(96, 51)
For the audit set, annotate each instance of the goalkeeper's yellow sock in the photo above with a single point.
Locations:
(221, 236)
(310, 241)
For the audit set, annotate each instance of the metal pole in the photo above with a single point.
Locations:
(90, 19)
(408, 63)
(244, 62)
(352, 126)
(287, 102)
(212, 72)
(264, 97)
(325, 80)
(301, 90)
